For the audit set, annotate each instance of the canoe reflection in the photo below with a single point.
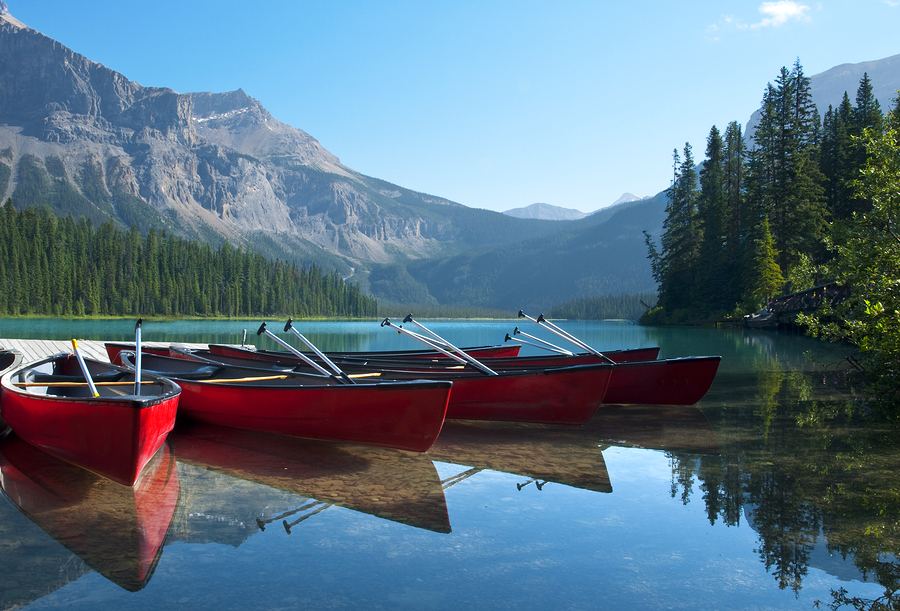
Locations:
(671, 428)
(540, 453)
(117, 530)
(391, 484)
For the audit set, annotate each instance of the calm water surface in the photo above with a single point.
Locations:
(773, 492)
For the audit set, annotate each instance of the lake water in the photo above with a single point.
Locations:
(772, 492)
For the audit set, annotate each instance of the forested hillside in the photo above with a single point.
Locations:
(57, 265)
(813, 199)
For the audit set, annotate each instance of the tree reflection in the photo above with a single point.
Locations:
(812, 472)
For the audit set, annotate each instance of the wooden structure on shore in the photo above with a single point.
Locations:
(37, 349)
(782, 311)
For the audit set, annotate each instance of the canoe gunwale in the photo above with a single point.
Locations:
(125, 401)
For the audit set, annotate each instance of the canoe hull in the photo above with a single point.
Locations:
(681, 381)
(113, 438)
(404, 416)
(565, 396)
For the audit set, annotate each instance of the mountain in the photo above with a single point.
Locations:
(86, 140)
(625, 198)
(828, 87)
(546, 212)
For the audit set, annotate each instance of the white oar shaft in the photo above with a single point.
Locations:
(527, 343)
(541, 321)
(425, 340)
(450, 346)
(296, 352)
(137, 358)
(318, 352)
(434, 335)
(548, 345)
(433, 344)
(84, 369)
(565, 334)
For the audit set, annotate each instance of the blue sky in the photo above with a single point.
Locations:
(492, 104)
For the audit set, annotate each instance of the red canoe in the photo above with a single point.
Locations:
(113, 349)
(116, 530)
(114, 435)
(9, 359)
(404, 415)
(376, 360)
(678, 381)
(564, 395)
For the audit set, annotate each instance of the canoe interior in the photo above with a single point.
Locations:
(65, 369)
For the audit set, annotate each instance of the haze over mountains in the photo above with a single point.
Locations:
(88, 141)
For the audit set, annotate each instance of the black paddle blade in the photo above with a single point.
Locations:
(262, 329)
(408, 318)
(288, 325)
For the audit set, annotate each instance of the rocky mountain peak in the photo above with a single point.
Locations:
(6, 17)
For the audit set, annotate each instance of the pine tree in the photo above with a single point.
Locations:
(766, 279)
(712, 224)
(681, 238)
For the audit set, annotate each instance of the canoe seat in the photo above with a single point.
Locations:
(111, 376)
(198, 373)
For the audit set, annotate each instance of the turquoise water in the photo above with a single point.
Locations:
(773, 492)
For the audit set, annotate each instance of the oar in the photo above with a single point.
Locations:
(288, 526)
(137, 357)
(75, 384)
(289, 326)
(455, 479)
(540, 320)
(462, 355)
(263, 523)
(508, 338)
(84, 369)
(435, 336)
(545, 344)
(459, 351)
(387, 323)
(263, 330)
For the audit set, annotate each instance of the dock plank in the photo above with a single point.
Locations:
(37, 349)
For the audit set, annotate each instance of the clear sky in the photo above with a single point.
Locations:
(492, 104)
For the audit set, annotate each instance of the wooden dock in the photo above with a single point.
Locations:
(37, 349)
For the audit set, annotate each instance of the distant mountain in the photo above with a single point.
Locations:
(87, 141)
(546, 212)
(625, 198)
(828, 87)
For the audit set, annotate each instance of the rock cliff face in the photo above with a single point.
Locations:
(88, 141)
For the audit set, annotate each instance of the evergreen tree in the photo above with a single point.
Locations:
(712, 224)
(681, 238)
(766, 279)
